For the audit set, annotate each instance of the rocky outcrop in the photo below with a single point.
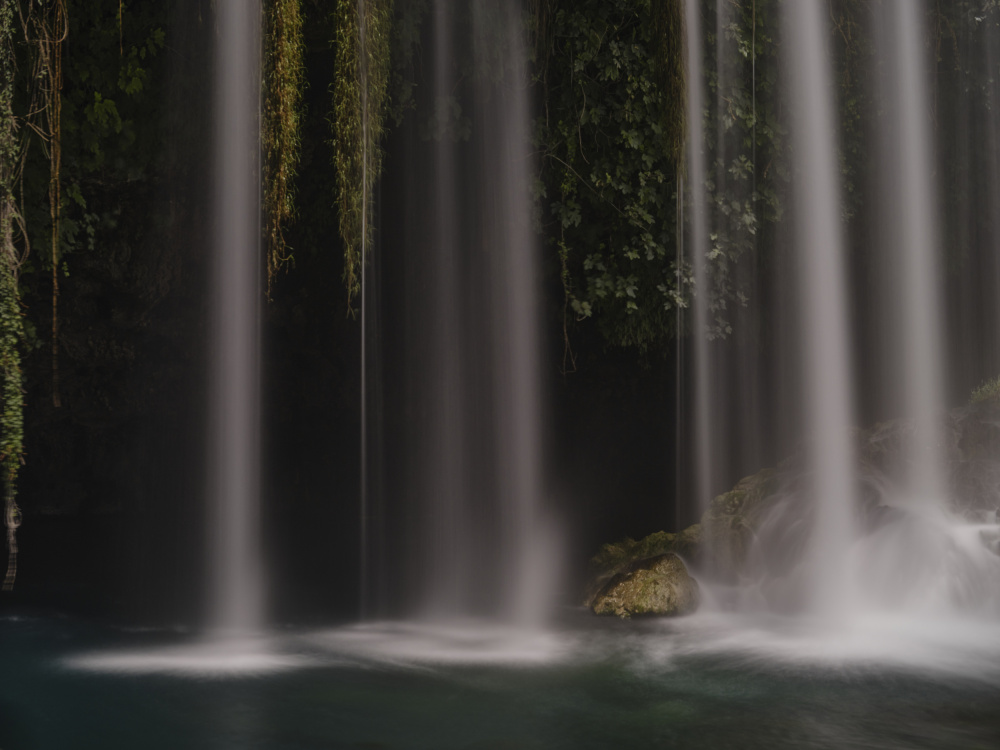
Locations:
(765, 515)
(659, 585)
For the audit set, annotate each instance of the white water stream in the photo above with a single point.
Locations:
(235, 575)
(846, 569)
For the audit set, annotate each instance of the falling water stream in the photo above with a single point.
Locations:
(235, 574)
(917, 253)
(704, 417)
(446, 477)
(904, 555)
(486, 546)
(829, 408)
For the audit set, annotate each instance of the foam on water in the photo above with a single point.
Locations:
(238, 657)
(951, 647)
(956, 647)
(455, 642)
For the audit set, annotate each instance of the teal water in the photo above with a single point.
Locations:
(65, 683)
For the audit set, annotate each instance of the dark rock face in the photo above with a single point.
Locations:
(657, 585)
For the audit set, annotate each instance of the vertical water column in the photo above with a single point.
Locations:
(823, 294)
(737, 398)
(235, 586)
(988, 342)
(699, 253)
(529, 549)
(916, 229)
(443, 472)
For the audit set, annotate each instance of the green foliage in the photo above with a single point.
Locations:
(11, 325)
(609, 168)
(108, 80)
(987, 393)
(284, 77)
(745, 144)
(407, 26)
(361, 77)
(110, 124)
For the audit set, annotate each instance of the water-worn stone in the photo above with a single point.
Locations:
(617, 557)
(658, 585)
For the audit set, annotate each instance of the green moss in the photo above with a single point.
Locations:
(987, 393)
(360, 102)
(11, 320)
(657, 586)
(613, 556)
(284, 76)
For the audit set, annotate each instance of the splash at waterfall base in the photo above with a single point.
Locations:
(749, 548)
(704, 681)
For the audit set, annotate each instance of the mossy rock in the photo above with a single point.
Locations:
(612, 556)
(658, 585)
(617, 557)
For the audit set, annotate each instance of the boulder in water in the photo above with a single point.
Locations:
(658, 585)
(618, 557)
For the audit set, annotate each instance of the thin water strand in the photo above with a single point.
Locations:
(703, 385)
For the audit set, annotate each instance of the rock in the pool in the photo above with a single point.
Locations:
(657, 585)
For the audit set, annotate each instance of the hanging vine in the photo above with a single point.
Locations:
(361, 75)
(11, 323)
(50, 29)
(284, 77)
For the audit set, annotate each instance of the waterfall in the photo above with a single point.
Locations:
(829, 407)
(479, 538)
(925, 561)
(852, 538)
(235, 587)
(915, 253)
(529, 546)
(446, 444)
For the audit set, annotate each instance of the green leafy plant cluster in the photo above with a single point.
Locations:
(611, 139)
(609, 177)
(745, 144)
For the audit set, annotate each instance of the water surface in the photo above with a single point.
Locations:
(707, 682)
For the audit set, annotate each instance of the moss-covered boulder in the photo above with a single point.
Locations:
(617, 557)
(658, 585)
